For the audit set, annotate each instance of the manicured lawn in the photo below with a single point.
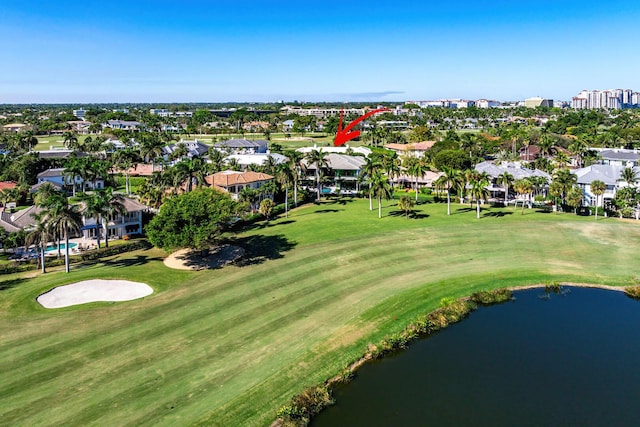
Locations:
(229, 347)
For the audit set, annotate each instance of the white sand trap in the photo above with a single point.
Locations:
(92, 291)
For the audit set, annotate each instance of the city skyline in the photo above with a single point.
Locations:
(196, 51)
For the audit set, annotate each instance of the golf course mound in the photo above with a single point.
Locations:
(189, 259)
(93, 291)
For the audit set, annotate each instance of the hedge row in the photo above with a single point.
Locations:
(86, 256)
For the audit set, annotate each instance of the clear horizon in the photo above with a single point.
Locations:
(199, 51)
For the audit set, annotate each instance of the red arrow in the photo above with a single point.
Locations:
(347, 134)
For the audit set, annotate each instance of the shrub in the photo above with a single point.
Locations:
(633, 291)
(496, 296)
(303, 406)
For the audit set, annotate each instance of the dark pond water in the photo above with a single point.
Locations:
(571, 360)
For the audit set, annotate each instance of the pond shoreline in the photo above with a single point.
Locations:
(373, 352)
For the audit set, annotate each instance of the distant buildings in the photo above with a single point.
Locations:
(538, 102)
(613, 99)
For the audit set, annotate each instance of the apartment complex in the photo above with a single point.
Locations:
(613, 99)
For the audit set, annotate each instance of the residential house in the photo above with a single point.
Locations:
(620, 157)
(233, 182)
(243, 146)
(287, 125)
(8, 185)
(57, 177)
(22, 219)
(425, 180)
(341, 175)
(343, 149)
(516, 169)
(123, 125)
(118, 226)
(80, 126)
(609, 174)
(416, 149)
(194, 148)
(14, 127)
(256, 159)
(529, 153)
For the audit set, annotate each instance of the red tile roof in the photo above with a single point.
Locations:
(8, 185)
(226, 179)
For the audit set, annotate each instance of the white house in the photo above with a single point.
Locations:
(57, 177)
(118, 226)
(257, 159)
(609, 174)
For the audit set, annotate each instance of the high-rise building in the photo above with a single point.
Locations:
(613, 99)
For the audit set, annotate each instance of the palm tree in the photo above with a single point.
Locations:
(379, 186)
(391, 165)
(405, 204)
(39, 236)
(316, 158)
(597, 188)
(151, 149)
(566, 180)
(125, 160)
(574, 198)
(369, 169)
(555, 190)
(416, 167)
(630, 176)
(285, 176)
(479, 191)
(190, 170)
(451, 178)
(62, 218)
(522, 187)
(100, 204)
(297, 166)
(505, 179)
(46, 191)
(70, 140)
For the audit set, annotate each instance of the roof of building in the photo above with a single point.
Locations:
(416, 146)
(343, 162)
(514, 168)
(35, 187)
(242, 143)
(8, 185)
(59, 154)
(629, 155)
(257, 159)
(132, 205)
(18, 220)
(14, 125)
(228, 178)
(343, 149)
(51, 173)
(609, 174)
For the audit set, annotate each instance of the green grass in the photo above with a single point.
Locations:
(230, 346)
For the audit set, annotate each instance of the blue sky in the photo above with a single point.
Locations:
(255, 50)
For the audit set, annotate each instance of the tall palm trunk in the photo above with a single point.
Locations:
(478, 208)
(370, 200)
(522, 213)
(286, 201)
(416, 189)
(295, 192)
(318, 184)
(379, 206)
(448, 203)
(597, 197)
(66, 250)
(106, 233)
(42, 258)
(98, 227)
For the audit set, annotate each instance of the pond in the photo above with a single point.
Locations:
(541, 360)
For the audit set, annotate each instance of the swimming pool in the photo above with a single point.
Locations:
(62, 247)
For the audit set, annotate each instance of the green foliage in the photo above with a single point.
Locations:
(495, 296)
(452, 159)
(305, 405)
(633, 291)
(192, 220)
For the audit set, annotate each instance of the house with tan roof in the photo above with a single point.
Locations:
(233, 182)
(416, 149)
(14, 127)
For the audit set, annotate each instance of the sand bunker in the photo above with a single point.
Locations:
(188, 259)
(92, 291)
